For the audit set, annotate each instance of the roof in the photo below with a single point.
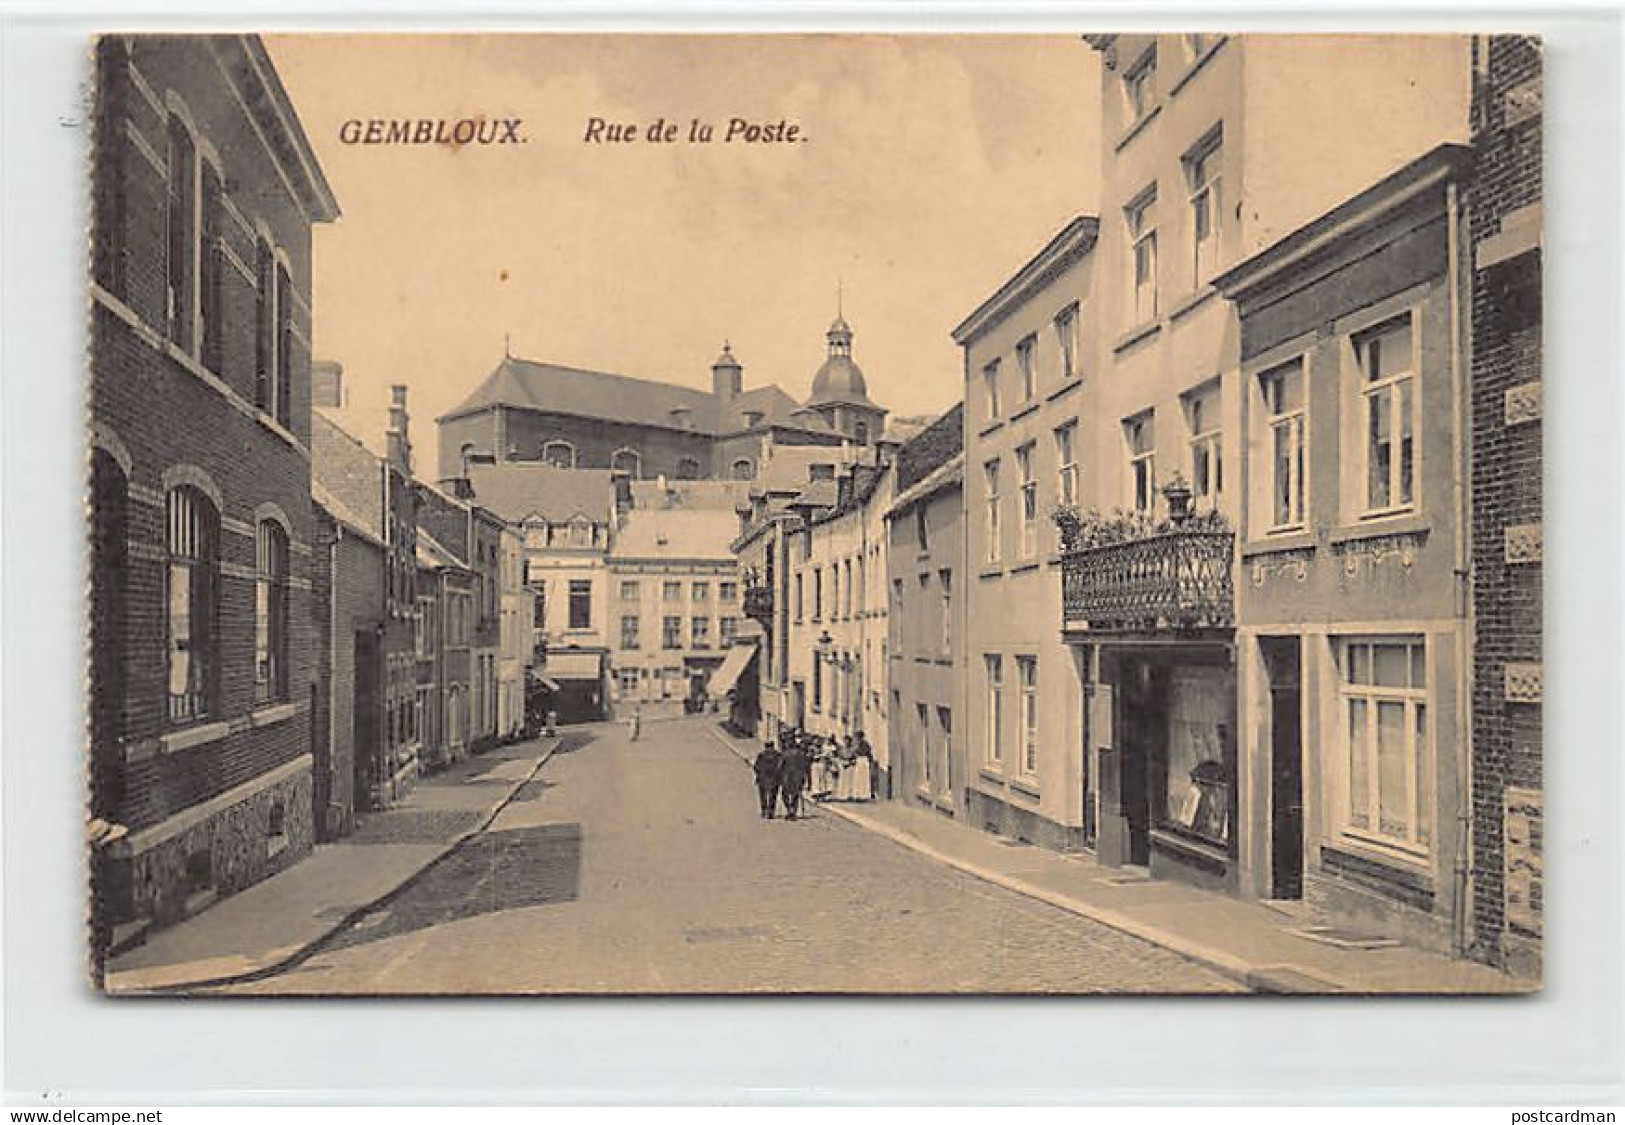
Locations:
(316, 194)
(554, 388)
(348, 473)
(1430, 170)
(725, 495)
(432, 554)
(931, 447)
(341, 513)
(944, 477)
(518, 490)
(676, 533)
(1073, 241)
(786, 468)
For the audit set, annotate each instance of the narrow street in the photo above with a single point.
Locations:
(643, 867)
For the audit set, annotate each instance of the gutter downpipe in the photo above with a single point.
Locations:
(1460, 386)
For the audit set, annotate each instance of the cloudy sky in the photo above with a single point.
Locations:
(932, 168)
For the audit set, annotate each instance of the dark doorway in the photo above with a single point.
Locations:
(1144, 726)
(1282, 658)
(368, 699)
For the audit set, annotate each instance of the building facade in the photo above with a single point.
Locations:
(1504, 205)
(570, 418)
(203, 648)
(674, 589)
(1352, 629)
(1028, 389)
(517, 646)
(925, 588)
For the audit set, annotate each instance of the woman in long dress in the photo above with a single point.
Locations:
(861, 770)
(826, 771)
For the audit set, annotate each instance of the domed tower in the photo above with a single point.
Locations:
(839, 393)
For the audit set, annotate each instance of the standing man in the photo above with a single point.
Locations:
(793, 779)
(769, 769)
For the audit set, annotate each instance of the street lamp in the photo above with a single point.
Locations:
(1178, 494)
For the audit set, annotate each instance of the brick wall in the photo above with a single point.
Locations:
(1506, 481)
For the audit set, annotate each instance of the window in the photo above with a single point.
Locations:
(922, 531)
(671, 632)
(700, 632)
(265, 367)
(1387, 363)
(945, 588)
(181, 271)
(818, 593)
(991, 472)
(535, 533)
(835, 591)
(1206, 446)
(1142, 462)
(1027, 669)
(1140, 86)
(629, 682)
(559, 454)
(990, 381)
(1281, 389)
(1029, 500)
(799, 605)
(581, 532)
(894, 621)
(995, 709)
(1024, 365)
(727, 628)
(629, 631)
(1203, 176)
(580, 603)
(1066, 341)
(211, 280)
(1385, 726)
(702, 591)
(672, 591)
(626, 461)
(629, 591)
(944, 771)
(1196, 44)
(271, 613)
(190, 600)
(1141, 217)
(742, 469)
(1066, 459)
(846, 604)
(688, 469)
(923, 713)
(818, 682)
(860, 433)
(284, 346)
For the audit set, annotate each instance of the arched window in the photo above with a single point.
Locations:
(627, 461)
(559, 454)
(109, 499)
(193, 556)
(535, 533)
(743, 469)
(271, 613)
(580, 532)
(180, 272)
(688, 469)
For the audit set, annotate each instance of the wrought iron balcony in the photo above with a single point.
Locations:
(757, 604)
(1177, 579)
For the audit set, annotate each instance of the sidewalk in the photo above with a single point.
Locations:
(1251, 942)
(269, 925)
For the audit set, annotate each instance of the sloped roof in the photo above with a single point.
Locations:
(932, 447)
(342, 513)
(517, 490)
(725, 495)
(431, 554)
(786, 470)
(348, 473)
(645, 402)
(676, 533)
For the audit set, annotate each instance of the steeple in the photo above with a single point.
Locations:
(727, 376)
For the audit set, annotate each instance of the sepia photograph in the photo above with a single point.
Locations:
(814, 514)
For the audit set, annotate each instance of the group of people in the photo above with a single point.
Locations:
(822, 767)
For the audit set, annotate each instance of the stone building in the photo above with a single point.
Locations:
(570, 418)
(203, 645)
(925, 671)
(1504, 206)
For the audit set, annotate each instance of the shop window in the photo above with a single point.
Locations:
(1197, 786)
(1387, 764)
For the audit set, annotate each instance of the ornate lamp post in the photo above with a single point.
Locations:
(1178, 494)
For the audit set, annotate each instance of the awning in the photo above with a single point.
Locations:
(563, 664)
(725, 677)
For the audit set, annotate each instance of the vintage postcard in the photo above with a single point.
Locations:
(815, 514)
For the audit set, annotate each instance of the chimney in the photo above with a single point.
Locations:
(843, 487)
(727, 377)
(326, 384)
(398, 438)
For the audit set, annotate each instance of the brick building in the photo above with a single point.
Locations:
(1504, 204)
(203, 641)
(527, 411)
(471, 537)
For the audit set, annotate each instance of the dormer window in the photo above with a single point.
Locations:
(559, 454)
(753, 418)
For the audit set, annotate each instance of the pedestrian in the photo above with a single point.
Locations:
(769, 769)
(793, 779)
(635, 723)
(863, 769)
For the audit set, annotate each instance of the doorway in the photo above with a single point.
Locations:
(364, 748)
(1283, 659)
(1144, 728)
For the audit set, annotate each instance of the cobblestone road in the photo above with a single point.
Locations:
(643, 867)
